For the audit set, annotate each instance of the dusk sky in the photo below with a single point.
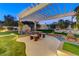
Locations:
(15, 8)
(12, 9)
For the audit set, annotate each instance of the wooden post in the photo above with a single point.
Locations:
(35, 26)
(19, 25)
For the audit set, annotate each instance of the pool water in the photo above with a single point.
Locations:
(61, 38)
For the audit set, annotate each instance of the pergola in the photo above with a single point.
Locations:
(44, 11)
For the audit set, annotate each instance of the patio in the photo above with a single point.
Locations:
(43, 47)
(49, 45)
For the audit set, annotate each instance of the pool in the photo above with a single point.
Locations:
(61, 38)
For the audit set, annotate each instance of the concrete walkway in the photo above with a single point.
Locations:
(43, 47)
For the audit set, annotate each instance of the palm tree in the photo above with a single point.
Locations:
(77, 16)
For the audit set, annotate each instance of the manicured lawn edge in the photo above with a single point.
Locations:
(9, 46)
(71, 48)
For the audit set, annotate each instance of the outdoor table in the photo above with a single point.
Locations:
(43, 35)
(38, 33)
(31, 37)
(35, 37)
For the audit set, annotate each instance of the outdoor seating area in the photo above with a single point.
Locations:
(37, 36)
(40, 29)
(61, 31)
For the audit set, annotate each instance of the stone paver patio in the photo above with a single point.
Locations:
(43, 47)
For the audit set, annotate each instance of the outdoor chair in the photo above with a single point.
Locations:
(39, 35)
(37, 38)
(31, 37)
(43, 35)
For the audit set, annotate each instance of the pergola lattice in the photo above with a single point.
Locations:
(46, 11)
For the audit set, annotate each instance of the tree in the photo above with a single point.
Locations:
(67, 23)
(53, 25)
(9, 20)
(61, 24)
(77, 16)
(1, 25)
(73, 25)
(48, 25)
(29, 23)
(38, 25)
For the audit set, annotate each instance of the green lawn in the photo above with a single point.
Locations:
(71, 48)
(10, 47)
(63, 33)
(46, 31)
(76, 35)
(53, 32)
(6, 33)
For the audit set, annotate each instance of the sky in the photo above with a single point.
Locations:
(57, 19)
(11, 9)
(15, 8)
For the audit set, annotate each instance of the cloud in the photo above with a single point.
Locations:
(55, 20)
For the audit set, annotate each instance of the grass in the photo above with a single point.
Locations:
(9, 46)
(9, 37)
(71, 48)
(63, 33)
(6, 33)
(46, 31)
(52, 31)
(76, 35)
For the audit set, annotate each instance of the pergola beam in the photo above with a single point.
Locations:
(32, 10)
(62, 15)
(33, 17)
